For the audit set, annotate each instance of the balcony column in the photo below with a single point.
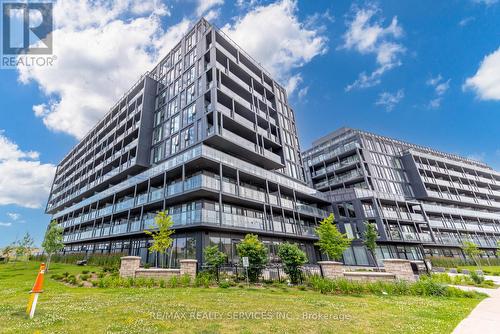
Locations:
(221, 185)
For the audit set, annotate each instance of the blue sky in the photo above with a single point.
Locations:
(423, 71)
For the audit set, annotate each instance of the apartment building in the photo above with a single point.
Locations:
(423, 202)
(207, 135)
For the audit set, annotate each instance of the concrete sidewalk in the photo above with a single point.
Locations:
(485, 318)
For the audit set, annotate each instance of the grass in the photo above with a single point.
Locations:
(488, 270)
(67, 309)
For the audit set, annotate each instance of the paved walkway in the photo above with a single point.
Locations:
(485, 318)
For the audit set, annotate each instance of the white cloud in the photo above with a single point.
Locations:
(212, 15)
(24, 180)
(485, 2)
(5, 224)
(440, 86)
(14, 215)
(465, 21)
(204, 6)
(477, 156)
(486, 82)
(390, 100)
(274, 36)
(303, 92)
(366, 35)
(101, 49)
(10, 150)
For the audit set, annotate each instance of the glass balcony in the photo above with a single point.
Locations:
(156, 195)
(252, 194)
(141, 199)
(242, 221)
(135, 225)
(119, 229)
(124, 205)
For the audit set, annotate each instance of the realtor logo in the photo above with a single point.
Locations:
(26, 34)
(27, 28)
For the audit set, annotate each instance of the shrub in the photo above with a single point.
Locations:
(110, 260)
(478, 279)
(224, 284)
(214, 258)
(140, 282)
(163, 283)
(56, 277)
(256, 252)
(185, 280)
(424, 287)
(84, 277)
(203, 279)
(85, 272)
(292, 257)
(173, 282)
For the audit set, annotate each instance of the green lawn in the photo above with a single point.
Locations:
(65, 309)
(488, 270)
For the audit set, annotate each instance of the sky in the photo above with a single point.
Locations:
(427, 72)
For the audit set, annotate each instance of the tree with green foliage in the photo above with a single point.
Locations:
(292, 257)
(370, 240)
(256, 252)
(6, 251)
(331, 241)
(161, 233)
(53, 241)
(24, 246)
(214, 258)
(471, 250)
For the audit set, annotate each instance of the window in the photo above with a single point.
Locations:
(177, 54)
(190, 58)
(191, 40)
(350, 210)
(159, 116)
(189, 114)
(175, 144)
(174, 125)
(190, 94)
(342, 212)
(157, 134)
(177, 86)
(188, 136)
(157, 153)
(173, 107)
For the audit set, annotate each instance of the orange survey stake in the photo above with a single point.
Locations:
(37, 288)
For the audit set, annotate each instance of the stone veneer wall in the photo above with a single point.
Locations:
(395, 269)
(401, 268)
(130, 267)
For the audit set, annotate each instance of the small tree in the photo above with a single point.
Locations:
(6, 251)
(292, 257)
(162, 239)
(53, 241)
(370, 240)
(256, 252)
(214, 258)
(331, 241)
(471, 250)
(24, 247)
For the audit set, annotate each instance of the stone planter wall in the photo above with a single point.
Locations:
(395, 269)
(130, 267)
(401, 268)
(368, 276)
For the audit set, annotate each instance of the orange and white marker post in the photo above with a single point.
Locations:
(37, 289)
